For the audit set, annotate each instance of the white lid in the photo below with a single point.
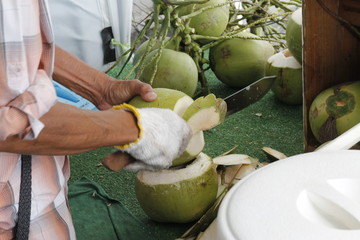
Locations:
(307, 196)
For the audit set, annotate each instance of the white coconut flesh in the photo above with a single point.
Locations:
(205, 119)
(197, 168)
(194, 147)
(196, 144)
(205, 113)
(182, 104)
(297, 16)
(284, 59)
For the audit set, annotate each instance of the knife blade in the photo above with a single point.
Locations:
(248, 95)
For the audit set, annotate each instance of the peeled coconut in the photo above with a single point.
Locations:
(166, 98)
(239, 62)
(293, 35)
(335, 110)
(194, 148)
(175, 70)
(210, 22)
(205, 113)
(178, 195)
(288, 71)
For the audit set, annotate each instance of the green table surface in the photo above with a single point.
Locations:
(266, 123)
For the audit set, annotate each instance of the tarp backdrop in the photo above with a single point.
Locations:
(85, 28)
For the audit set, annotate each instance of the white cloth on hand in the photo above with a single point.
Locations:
(165, 137)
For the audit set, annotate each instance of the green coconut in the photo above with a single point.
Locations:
(205, 113)
(293, 35)
(141, 50)
(166, 98)
(175, 70)
(288, 84)
(210, 22)
(195, 146)
(239, 62)
(178, 195)
(334, 111)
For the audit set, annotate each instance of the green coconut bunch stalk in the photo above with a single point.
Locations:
(182, 24)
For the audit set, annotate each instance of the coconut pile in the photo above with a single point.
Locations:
(181, 40)
(240, 43)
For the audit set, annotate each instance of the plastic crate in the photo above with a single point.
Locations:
(67, 96)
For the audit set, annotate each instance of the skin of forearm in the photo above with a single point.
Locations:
(78, 76)
(70, 130)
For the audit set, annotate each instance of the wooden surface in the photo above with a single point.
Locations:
(331, 53)
(350, 11)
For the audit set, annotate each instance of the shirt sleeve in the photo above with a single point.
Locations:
(22, 114)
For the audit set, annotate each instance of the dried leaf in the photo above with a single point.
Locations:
(229, 151)
(273, 154)
(232, 159)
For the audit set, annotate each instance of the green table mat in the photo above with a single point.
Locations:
(98, 216)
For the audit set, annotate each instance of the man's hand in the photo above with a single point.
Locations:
(121, 91)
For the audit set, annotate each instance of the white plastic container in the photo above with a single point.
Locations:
(312, 196)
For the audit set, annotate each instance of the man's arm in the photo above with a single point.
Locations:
(78, 76)
(70, 130)
(96, 86)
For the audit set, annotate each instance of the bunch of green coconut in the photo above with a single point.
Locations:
(188, 38)
(191, 186)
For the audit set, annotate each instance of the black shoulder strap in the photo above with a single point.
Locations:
(23, 223)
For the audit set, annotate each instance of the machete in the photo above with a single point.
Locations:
(235, 102)
(248, 95)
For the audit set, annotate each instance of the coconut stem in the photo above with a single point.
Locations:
(132, 48)
(182, 2)
(201, 10)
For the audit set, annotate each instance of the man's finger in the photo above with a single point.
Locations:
(117, 160)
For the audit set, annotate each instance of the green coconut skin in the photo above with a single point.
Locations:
(185, 157)
(239, 62)
(288, 83)
(166, 98)
(211, 22)
(334, 111)
(175, 70)
(141, 50)
(181, 202)
(293, 37)
(204, 102)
